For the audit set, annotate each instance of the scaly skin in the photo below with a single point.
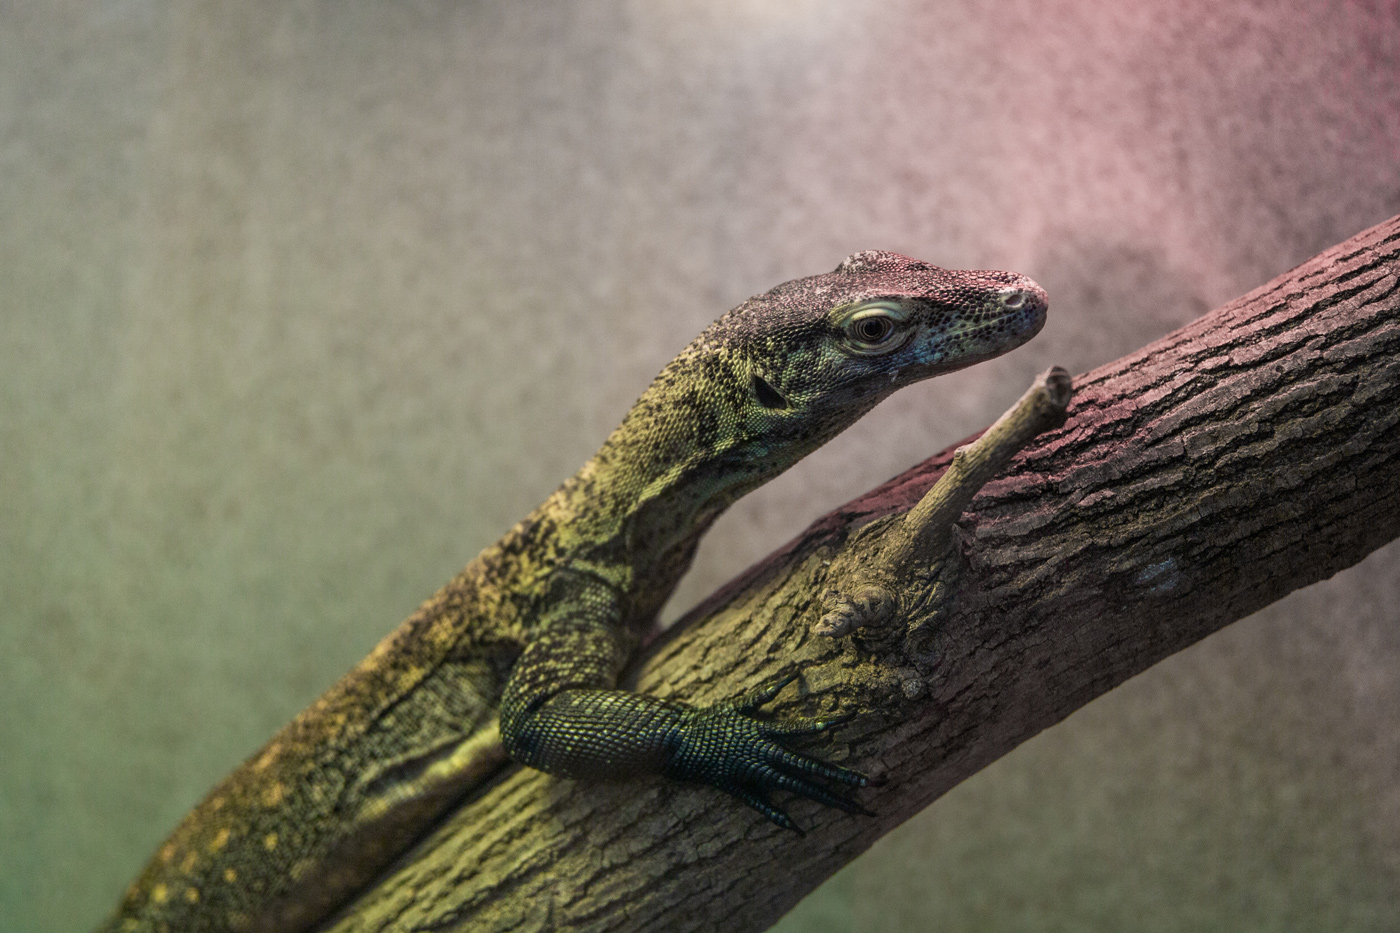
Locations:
(539, 625)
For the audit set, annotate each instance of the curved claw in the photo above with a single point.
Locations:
(763, 693)
(767, 809)
(727, 747)
(810, 790)
(794, 727)
(803, 766)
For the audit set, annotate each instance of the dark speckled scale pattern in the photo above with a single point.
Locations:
(539, 625)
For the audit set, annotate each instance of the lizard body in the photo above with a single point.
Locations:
(539, 625)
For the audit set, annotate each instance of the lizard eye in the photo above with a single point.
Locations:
(874, 330)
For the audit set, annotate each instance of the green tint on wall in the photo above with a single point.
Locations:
(301, 304)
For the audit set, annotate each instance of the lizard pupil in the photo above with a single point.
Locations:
(873, 329)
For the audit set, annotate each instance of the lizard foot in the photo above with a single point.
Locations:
(726, 746)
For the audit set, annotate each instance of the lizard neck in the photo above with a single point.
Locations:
(690, 447)
(695, 442)
(666, 472)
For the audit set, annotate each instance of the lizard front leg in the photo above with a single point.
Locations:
(560, 714)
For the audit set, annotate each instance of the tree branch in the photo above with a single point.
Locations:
(1250, 453)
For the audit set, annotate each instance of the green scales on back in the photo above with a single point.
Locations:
(534, 632)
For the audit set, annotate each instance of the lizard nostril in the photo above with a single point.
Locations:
(1016, 299)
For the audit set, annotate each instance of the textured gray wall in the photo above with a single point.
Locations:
(303, 303)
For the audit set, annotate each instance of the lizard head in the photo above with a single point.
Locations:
(786, 371)
(815, 354)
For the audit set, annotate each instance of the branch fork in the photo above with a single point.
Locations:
(911, 564)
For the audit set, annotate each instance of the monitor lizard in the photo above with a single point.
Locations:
(520, 653)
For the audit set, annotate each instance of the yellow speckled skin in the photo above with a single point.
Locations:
(539, 624)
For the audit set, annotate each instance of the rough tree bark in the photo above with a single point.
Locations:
(1245, 455)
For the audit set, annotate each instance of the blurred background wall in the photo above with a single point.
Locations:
(303, 303)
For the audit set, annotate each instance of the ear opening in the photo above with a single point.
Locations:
(768, 396)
